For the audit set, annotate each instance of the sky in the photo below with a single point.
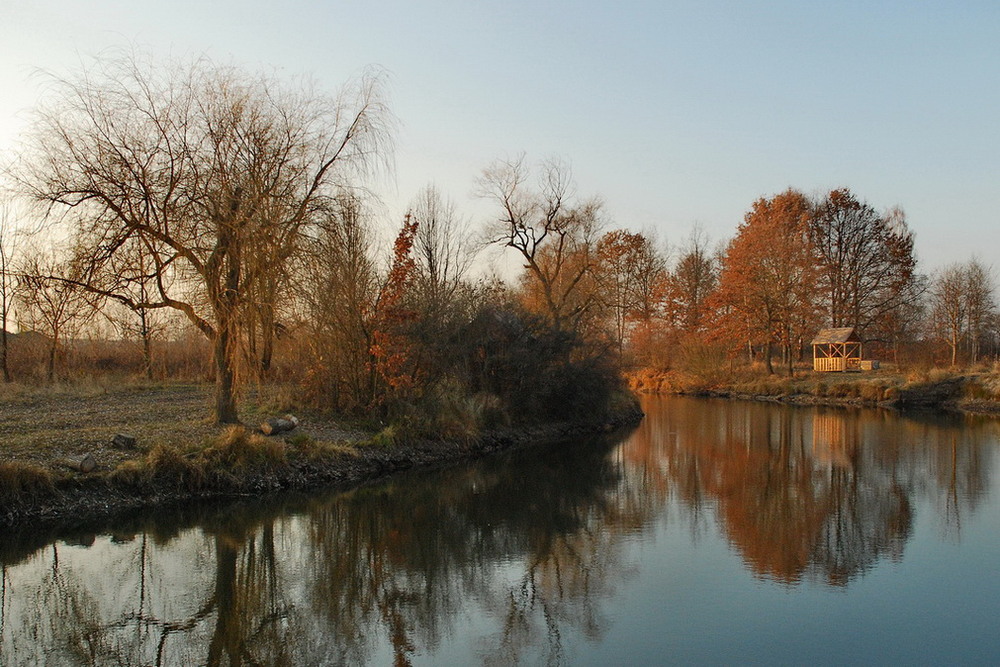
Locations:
(675, 113)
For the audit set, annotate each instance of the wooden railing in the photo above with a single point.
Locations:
(839, 364)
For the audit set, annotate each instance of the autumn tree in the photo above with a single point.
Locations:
(393, 369)
(631, 274)
(865, 260)
(691, 283)
(207, 166)
(552, 232)
(767, 280)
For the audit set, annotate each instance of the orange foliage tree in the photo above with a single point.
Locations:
(631, 275)
(391, 362)
(768, 277)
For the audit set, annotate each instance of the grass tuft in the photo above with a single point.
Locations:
(19, 481)
(237, 447)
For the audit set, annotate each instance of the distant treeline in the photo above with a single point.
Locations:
(223, 221)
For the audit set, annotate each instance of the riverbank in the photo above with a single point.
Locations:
(975, 392)
(178, 455)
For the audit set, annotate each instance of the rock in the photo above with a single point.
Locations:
(123, 441)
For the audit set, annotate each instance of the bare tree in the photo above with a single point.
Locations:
(8, 280)
(442, 247)
(905, 321)
(865, 258)
(981, 306)
(338, 283)
(694, 278)
(948, 307)
(207, 167)
(49, 300)
(963, 307)
(553, 234)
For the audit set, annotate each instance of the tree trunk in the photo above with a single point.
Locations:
(50, 364)
(147, 355)
(266, 339)
(84, 463)
(767, 358)
(225, 399)
(226, 306)
(3, 351)
(147, 343)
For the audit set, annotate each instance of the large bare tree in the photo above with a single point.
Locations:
(554, 234)
(208, 168)
(865, 258)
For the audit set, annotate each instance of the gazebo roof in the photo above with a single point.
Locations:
(836, 335)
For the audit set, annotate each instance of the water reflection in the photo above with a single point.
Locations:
(822, 493)
(511, 557)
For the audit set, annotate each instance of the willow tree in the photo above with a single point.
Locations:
(207, 169)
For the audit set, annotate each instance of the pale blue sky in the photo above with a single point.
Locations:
(674, 112)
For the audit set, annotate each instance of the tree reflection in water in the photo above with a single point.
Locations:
(821, 493)
(532, 544)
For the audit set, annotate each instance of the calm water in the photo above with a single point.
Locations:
(716, 533)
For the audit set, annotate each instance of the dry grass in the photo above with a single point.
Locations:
(19, 481)
(872, 387)
(42, 426)
(237, 447)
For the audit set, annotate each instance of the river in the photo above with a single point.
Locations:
(717, 532)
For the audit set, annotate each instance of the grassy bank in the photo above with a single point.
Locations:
(974, 391)
(180, 454)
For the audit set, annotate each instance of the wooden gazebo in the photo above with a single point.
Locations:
(837, 349)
